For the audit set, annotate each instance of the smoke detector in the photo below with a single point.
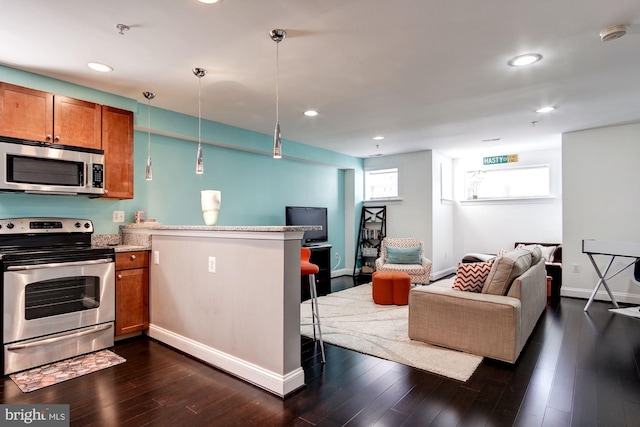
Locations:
(613, 32)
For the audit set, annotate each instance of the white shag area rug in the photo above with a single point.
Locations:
(351, 319)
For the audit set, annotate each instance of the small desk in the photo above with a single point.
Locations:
(612, 249)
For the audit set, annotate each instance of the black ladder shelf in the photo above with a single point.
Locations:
(373, 228)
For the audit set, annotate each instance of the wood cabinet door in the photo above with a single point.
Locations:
(77, 122)
(132, 300)
(26, 113)
(117, 143)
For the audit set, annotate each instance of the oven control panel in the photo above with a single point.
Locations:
(45, 225)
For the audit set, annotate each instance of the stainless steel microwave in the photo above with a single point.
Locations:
(41, 168)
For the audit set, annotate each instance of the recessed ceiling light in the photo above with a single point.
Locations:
(526, 59)
(210, 1)
(103, 68)
(378, 138)
(311, 113)
(545, 109)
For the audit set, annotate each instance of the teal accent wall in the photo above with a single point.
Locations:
(255, 187)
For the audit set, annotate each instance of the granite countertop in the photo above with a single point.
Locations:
(130, 248)
(120, 243)
(253, 228)
(128, 240)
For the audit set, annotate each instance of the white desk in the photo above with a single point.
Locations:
(612, 249)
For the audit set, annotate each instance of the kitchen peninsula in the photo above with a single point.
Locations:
(229, 296)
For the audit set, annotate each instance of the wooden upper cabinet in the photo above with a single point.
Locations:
(41, 116)
(26, 113)
(76, 122)
(117, 143)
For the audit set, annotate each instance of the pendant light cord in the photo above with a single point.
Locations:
(149, 127)
(277, 85)
(199, 114)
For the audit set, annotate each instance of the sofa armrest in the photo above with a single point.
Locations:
(482, 324)
(531, 289)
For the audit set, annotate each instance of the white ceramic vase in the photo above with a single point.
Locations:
(210, 203)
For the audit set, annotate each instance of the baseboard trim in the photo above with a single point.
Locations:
(342, 272)
(280, 385)
(601, 295)
(437, 275)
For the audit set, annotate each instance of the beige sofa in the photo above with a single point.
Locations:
(490, 325)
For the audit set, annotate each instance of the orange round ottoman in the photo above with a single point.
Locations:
(391, 287)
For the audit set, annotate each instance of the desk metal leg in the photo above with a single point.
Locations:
(602, 281)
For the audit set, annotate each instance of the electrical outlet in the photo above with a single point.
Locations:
(212, 264)
(118, 216)
(576, 268)
(337, 255)
(156, 257)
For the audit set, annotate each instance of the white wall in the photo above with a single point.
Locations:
(488, 226)
(443, 259)
(412, 215)
(601, 176)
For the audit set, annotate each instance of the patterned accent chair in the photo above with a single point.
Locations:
(419, 273)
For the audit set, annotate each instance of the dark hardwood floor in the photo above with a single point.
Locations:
(578, 369)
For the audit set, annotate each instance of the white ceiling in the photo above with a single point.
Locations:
(426, 74)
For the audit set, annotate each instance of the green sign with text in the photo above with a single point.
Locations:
(496, 160)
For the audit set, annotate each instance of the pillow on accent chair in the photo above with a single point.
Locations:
(470, 277)
(396, 255)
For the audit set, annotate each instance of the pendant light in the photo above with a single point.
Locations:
(199, 73)
(277, 36)
(149, 173)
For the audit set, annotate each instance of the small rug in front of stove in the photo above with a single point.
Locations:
(54, 373)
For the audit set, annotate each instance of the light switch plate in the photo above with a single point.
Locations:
(118, 216)
(212, 264)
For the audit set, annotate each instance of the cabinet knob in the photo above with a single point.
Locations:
(119, 276)
(57, 138)
(133, 257)
(48, 137)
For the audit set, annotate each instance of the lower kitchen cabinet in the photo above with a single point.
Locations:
(132, 292)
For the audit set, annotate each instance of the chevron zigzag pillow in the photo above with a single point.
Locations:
(471, 277)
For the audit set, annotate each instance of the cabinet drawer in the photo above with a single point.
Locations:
(128, 260)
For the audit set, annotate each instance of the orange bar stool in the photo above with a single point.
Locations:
(310, 270)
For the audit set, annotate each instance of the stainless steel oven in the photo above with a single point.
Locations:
(58, 292)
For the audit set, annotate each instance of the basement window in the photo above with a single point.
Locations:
(381, 184)
(508, 183)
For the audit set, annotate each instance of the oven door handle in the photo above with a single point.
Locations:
(59, 264)
(69, 335)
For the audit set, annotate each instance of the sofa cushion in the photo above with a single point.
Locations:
(397, 255)
(548, 251)
(505, 269)
(536, 252)
(470, 277)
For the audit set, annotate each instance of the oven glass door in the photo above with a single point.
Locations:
(62, 295)
(45, 299)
